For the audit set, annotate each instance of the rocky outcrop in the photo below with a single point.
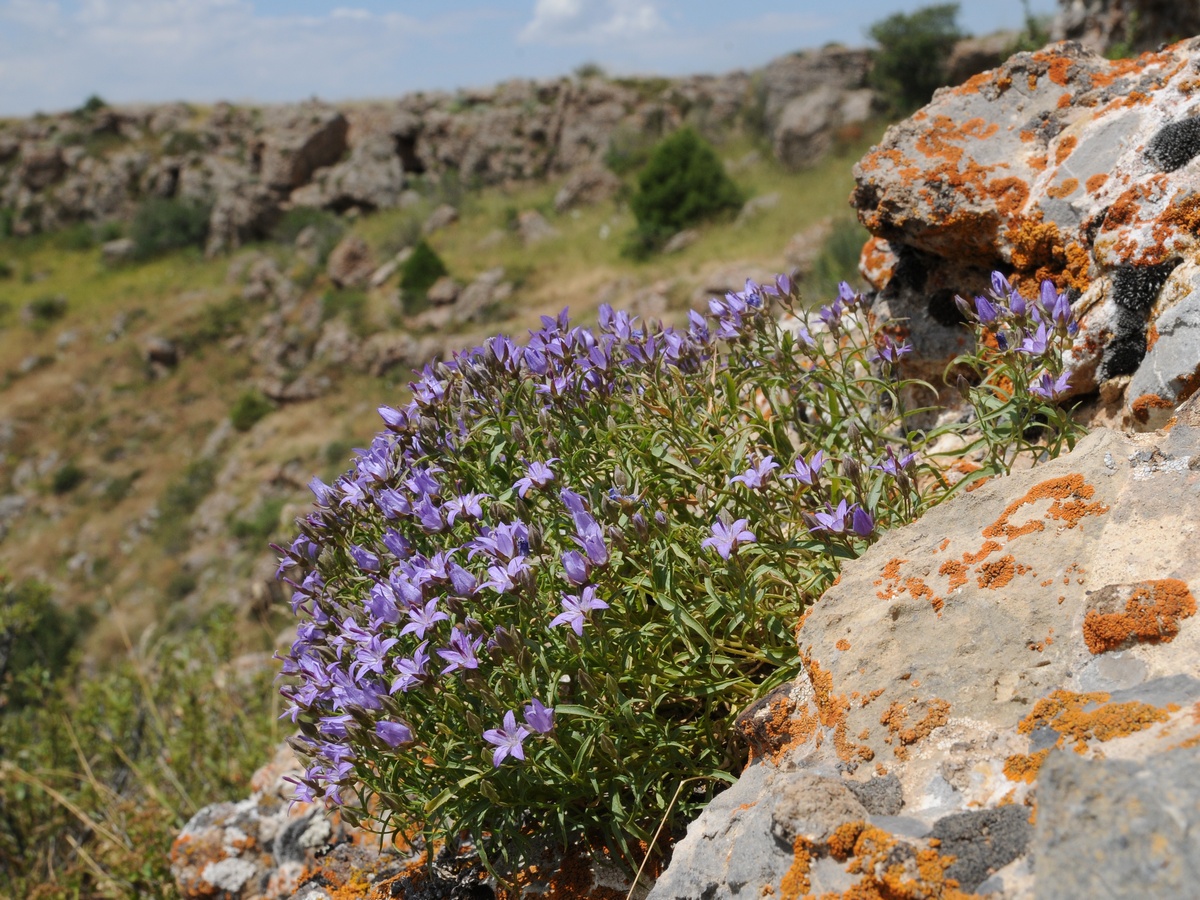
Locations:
(990, 696)
(1134, 25)
(1058, 164)
(247, 164)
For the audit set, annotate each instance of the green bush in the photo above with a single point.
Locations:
(6, 270)
(43, 311)
(161, 225)
(7, 216)
(67, 478)
(249, 408)
(261, 524)
(328, 226)
(422, 268)
(910, 63)
(683, 183)
(214, 322)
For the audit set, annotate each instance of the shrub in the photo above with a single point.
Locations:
(161, 225)
(41, 312)
(6, 270)
(260, 524)
(683, 183)
(67, 478)
(250, 408)
(7, 216)
(422, 268)
(92, 105)
(180, 500)
(910, 63)
(348, 303)
(537, 602)
(328, 227)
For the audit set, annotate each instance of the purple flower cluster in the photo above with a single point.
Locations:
(1032, 328)
(405, 575)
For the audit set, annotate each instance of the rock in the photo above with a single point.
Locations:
(380, 276)
(386, 351)
(41, 166)
(808, 124)
(805, 247)
(1032, 645)
(755, 206)
(973, 55)
(1139, 25)
(1057, 165)
(298, 141)
(118, 251)
(586, 187)
(370, 179)
(478, 297)
(160, 352)
(533, 228)
(681, 240)
(245, 212)
(442, 217)
(351, 263)
(261, 847)
(443, 291)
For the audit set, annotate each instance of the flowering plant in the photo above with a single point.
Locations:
(535, 605)
(1018, 374)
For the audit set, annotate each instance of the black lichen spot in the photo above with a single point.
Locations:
(982, 841)
(1136, 287)
(944, 311)
(1175, 144)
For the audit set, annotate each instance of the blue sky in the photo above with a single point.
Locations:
(55, 53)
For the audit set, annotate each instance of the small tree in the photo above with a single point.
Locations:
(913, 51)
(683, 183)
(422, 268)
(161, 224)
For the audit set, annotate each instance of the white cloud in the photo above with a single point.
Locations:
(593, 21)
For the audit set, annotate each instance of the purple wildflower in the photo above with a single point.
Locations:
(424, 619)
(576, 607)
(891, 352)
(467, 506)
(575, 567)
(429, 515)
(508, 740)
(1035, 344)
(832, 520)
(412, 670)
(537, 474)
(984, 310)
(726, 539)
(538, 717)
(889, 465)
(397, 544)
(806, 472)
(463, 582)
(392, 503)
(504, 578)
(1048, 387)
(394, 733)
(862, 522)
(461, 652)
(370, 658)
(756, 476)
(381, 604)
(364, 558)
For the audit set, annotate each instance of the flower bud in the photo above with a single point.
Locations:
(585, 680)
(564, 688)
(702, 494)
(544, 419)
(608, 746)
(641, 527)
(552, 445)
(611, 424)
(518, 434)
(963, 387)
(473, 721)
(617, 537)
(536, 542)
(853, 433)
(621, 480)
(851, 468)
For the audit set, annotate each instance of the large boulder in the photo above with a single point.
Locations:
(371, 178)
(1003, 695)
(1058, 165)
(1135, 25)
(298, 141)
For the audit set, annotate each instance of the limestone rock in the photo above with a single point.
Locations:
(442, 217)
(586, 187)
(1030, 645)
(808, 124)
(1059, 164)
(371, 178)
(533, 227)
(1139, 24)
(351, 263)
(443, 291)
(300, 140)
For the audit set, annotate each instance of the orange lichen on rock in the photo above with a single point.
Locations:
(1069, 495)
(1066, 712)
(831, 710)
(895, 719)
(1142, 405)
(1095, 182)
(955, 571)
(844, 838)
(783, 729)
(1151, 615)
(843, 645)
(1009, 193)
(795, 882)
(1025, 767)
(997, 574)
(1065, 147)
(1064, 189)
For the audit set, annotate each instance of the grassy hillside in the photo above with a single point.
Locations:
(138, 516)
